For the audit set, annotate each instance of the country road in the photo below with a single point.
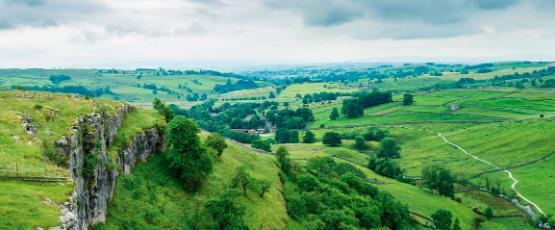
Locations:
(515, 181)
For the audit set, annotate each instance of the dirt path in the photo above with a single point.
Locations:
(515, 181)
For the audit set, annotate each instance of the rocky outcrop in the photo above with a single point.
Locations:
(92, 170)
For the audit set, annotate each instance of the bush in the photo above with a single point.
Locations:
(309, 137)
(442, 219)
(360, 144)
(332, 139)
(227, 213)
(262, 144)
(385, 167)
(389, 149)
(488, 213)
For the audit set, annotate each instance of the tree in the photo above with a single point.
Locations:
(334, 114)
(386, 167)
(187, 159)
(360, 143)
(283, 158)
(351, 109)
(488, 213)
(216, 142)
(272, 95)
(440, 179)
(262, 144)
(408, 99)
(262, 186)
(282, 135)
(309, 137)
(227, 213)
(442, 219)
(374, 134)
(332, 139)
(242, 178)
(57, 79)
(456, 225)
(389, 148)
(163, 110)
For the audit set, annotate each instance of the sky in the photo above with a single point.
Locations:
(224, 34)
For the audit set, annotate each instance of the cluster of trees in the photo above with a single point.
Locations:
(243, 98)
(325, 194)
(284, 135)
(355, 107)
(443, 220)
(383, 162)
(239, 85)
(439, 179)
(75, 89)
(196, 97)
(230, 116)
(319, 97)
(59, 78)
(290, 119)
(187, 159)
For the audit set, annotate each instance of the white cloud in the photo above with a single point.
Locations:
(194, 33)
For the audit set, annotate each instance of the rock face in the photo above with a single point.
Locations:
(93, 173)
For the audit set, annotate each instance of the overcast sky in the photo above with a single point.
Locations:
(226, 33)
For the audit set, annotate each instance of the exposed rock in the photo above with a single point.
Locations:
(29, 129)
(92, 134)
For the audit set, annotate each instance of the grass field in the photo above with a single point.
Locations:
(174, 208)
(309, 88)
(125, 85)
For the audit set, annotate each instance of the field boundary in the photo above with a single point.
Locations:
(509, 173)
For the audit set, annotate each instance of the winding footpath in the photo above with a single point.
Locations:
(515, 181)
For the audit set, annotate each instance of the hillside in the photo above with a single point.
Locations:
(35, 172)
(151, 196)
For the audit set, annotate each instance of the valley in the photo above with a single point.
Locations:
(379, 146)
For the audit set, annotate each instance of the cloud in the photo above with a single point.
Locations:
(44, 13)
(397, 18)
(62, 32)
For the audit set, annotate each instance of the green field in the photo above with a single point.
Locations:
(126, 85)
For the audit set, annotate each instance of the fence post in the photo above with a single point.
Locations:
(45, 171)
(16, 169)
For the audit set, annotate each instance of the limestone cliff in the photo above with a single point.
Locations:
(92, 169)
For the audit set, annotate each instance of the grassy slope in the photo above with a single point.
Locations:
(177, 206)
(23, 205)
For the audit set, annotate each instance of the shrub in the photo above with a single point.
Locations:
(332, 139)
